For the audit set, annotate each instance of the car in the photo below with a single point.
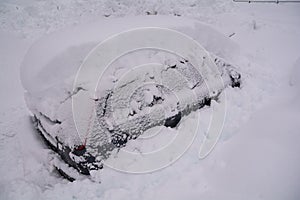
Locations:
(85, 126)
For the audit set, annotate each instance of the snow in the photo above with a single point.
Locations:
(257, 156)
(49, 79)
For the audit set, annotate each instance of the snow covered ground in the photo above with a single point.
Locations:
(257, 156)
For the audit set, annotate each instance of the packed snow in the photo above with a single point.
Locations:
(257, 155)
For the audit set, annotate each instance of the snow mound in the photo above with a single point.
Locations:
(126, 104)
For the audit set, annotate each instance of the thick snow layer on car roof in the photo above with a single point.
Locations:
(60, 54)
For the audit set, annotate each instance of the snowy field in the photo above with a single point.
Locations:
(257, 156)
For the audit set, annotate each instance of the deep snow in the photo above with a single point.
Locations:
(257, 157)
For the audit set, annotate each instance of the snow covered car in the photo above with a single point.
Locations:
(128, 100)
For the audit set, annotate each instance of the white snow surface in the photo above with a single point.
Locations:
(257, 156)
